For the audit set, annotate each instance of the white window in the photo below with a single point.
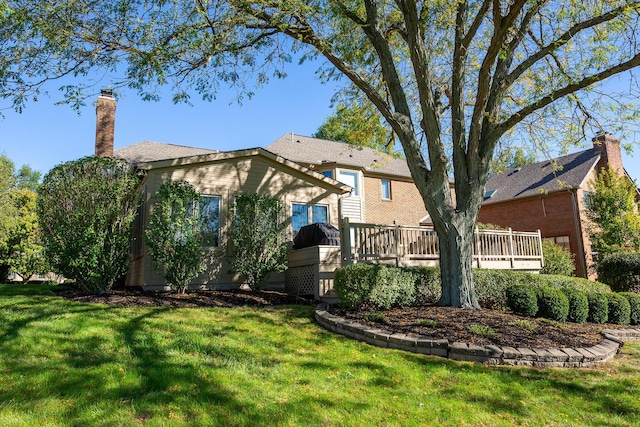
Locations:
(303, 214)
(209, 213)
(351, 179)
(385, 189)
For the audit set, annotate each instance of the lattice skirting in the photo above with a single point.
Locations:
(300, 280)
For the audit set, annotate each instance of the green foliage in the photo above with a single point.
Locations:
(557, 260)
(491, 285)
(427, 323)
(621, 271)
(511, 158)
(634, 307)
(552, 303)
(427, 284)
(614, 210)
(175, 234)
(525, 325)
(86, 208)
(258, 235)
(578, 305)
(27, 178)
(619, 309)
(374, 317)
(482, 330)
(375, 285)
(358, 125)
(598, 307)
(25, 252)
(522, 300)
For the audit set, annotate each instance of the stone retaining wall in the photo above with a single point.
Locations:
(612, 342)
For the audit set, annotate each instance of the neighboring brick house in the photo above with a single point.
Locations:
(383, 190)
(550, 196)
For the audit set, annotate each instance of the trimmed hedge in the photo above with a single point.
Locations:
(621, 271)
(619, 309)
(598, 307)
(578, 305)
(552, 303)
(522, 300)
(427, 284)
(376, 285)
(634, 307)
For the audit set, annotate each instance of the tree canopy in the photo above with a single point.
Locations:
(449, 78)
(613, 207)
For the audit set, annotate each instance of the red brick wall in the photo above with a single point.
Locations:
(405, 207)
(105, 125)
(552, 214)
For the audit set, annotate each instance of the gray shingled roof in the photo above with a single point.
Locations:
(148, 151)
(307, 150)
(543, 177)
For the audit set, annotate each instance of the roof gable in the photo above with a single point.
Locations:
(160, 155)
(315, 151)
(543, 177)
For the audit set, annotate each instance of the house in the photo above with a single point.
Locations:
(550, 196)
(383, 190)
(308, 196)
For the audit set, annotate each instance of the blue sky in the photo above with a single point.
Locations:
(45, 135)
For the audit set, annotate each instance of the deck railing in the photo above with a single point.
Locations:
(403, 245)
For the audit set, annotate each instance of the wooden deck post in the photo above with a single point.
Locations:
(512, 248)
(345, 242)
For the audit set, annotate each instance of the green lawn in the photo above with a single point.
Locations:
(66, 363)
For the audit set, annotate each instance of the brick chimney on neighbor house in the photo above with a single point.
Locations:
(105, 123)
(610, 149)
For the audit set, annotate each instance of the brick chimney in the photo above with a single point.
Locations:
(609, 147)
(105, 123)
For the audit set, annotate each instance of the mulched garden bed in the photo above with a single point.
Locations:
(449, 323)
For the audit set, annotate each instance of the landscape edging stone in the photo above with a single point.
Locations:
(612, 342)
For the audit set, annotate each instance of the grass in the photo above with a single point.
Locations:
(483, 331)
(374, 317)
(428, 323)
(67, 363)
(526, 325)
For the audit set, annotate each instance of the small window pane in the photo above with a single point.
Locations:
(319, 213)
(210, 219)
(328, 174)
(299, 216)
(385, 189)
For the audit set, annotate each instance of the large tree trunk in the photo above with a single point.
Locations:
(456, 257)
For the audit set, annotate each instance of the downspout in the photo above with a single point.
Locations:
(579, 235)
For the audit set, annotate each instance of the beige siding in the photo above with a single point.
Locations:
(253, 174)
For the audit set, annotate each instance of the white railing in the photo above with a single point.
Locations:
(403, 245)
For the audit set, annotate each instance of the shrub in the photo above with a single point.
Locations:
(86, 209)
(258, 235)
(175, 234)
(392, 287)
(619, 309)
(522, 300)
(353, 283)
(621, 271)
(427, 284)
(557, 260)
(552, 304)
(578, 305)
(634, 306)
(377, 285)
(492, 284)
(598, 308)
